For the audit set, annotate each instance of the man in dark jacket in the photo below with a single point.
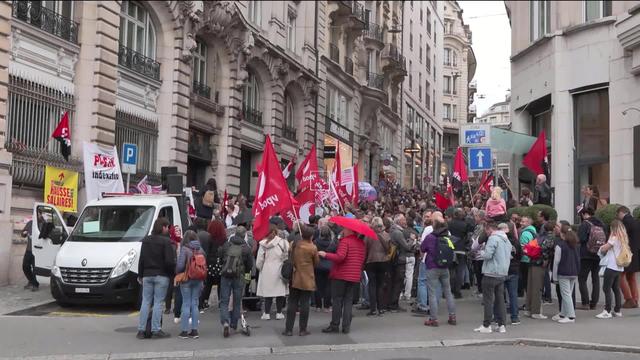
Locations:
(156, 267)
(628, 283)
(236, 249)
(589, 262)
(406, 247)
(460, 230)
(511, 284)
(543, 191)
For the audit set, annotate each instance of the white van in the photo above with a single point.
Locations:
(97, 262)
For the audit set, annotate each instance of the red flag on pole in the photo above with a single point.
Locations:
(537, 155)
(442, 202)
(355, 193)
(62, 133)
(307, 173)
(272, 194)
(287, 169)
(459, 167)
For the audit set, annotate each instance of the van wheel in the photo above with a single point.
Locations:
(57, 297)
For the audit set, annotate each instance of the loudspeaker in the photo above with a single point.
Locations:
(164, 172)
(174, 184)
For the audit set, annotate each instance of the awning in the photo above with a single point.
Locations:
(511, 142)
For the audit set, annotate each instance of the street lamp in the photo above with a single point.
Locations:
(413, 150)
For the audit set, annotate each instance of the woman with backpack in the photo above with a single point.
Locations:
(566, 266)
(327, 243)
(614, 255)
(191, 268)
(272, 252)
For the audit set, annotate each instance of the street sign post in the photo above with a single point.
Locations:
(129, 160)
(480, 159)
(475, 135)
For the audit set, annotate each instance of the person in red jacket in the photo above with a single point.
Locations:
(345, 277)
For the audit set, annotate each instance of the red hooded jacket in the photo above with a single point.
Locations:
(348, 259)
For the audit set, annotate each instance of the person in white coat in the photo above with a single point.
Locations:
(272, 252)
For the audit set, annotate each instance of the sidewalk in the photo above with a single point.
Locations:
(15, 298)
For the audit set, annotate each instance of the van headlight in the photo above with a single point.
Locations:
(55, 271)
(124, 264)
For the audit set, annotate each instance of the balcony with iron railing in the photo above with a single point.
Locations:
(395, 57)
(375, 80)
(202, 89)
(251, 115)
(289, 132)
(348, 65)
(374, 32)
(138, 63)
(334, 53)
(35, 14)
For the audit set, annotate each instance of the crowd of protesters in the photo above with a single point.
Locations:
(421, 255)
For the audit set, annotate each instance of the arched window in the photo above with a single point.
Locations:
(288, 111)
(136, 29)
(251, 100)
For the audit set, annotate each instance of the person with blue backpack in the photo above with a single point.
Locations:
(439, 250)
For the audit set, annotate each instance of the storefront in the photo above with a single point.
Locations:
(337, 135)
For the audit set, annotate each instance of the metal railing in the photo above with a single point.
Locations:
(348, 65)
(202, 89)
(138, 63)
(334, 53)
(374, 31)
(358, 12)
(375, 80)
(395, 55)
(33, 13)
(252, 115)
(137, 130)
(289, 132)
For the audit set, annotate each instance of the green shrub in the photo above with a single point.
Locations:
(546, 209)
(636, 213)
(521, 210)
(607, 213)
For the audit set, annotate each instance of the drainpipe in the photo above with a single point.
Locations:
(315, 46)
(402, 95)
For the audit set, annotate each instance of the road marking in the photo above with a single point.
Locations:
(76, 314)
(134, 314)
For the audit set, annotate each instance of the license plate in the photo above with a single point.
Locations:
(82, 290)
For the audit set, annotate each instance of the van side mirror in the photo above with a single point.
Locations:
(57, 236)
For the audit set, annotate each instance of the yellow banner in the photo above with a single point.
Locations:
(61, 189)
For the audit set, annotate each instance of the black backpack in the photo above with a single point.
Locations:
(233, 266)
(445, 257)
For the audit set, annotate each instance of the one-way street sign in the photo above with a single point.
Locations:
(479, 159)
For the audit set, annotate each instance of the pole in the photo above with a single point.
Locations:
(128, 182)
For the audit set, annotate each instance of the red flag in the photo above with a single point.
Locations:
(340, 190)
(307, 205)
(355, 193)
(290, 215)
(459, 167)
(307, 174)
(62, 133)
(272, 194)
(287, 169)
(442, 202)
(486, 181)
(452, 197)
(536, 155)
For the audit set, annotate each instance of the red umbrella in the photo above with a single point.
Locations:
(355, 225)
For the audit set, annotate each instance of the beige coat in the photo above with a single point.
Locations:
(269, 261)
(305, 259)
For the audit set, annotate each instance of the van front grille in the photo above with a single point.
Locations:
(85, 276)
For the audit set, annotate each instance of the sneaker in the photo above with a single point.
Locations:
(28, 287)
(420, 311)
(452, 320)
(35, 288)
(515, 322)
(539, 317)
(557, 317)
(617, 314)
(431, 323)
(287, 333)
(265, 316)
(183, 335)
(160, 335)
(502, 329)
(604, 315)
(526, 313)
(201, 311)
(566, 320)
(279, 316)
(140, 335)
(483, 330)
(194, 334)
(176, 320)
(330, 330)
(225, 330)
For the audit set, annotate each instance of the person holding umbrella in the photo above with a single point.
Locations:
(346, 270)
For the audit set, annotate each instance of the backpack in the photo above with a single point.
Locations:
(286, 270)
(624, 258)
(197, 268)
(597, 238)
(233, 265)
(208, 198)
(445, 256)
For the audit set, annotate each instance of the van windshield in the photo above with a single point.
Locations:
(113, 224)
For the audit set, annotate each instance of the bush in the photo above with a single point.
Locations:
(532, 211)
(636, 213)
(521, 210)
(607, 213)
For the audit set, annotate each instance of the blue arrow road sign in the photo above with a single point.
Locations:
(480, 159)
(129, 158)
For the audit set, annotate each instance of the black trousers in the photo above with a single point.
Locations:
(397, 284)
(477, 270)
(206, 290)
(612, 285)
(279, 304)
(589, 266)
(522, 282)
(457, 274)
(342, 299)
(323, 290)
(376, 272)
(29, 267)
(298, 300)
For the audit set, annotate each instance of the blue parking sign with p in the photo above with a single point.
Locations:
(129, 158)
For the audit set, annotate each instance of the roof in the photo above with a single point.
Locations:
(144, 200)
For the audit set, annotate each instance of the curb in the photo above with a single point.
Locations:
(290, 350)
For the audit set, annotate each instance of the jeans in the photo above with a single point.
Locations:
(535, 282)
(589, 266)
(323, 290)
(342, 299)
(363, 290)
(629, 286)
(457, 274)
(376, 272)
(493, 297)
(279, 304)
(559, 293)
(422, 286)
(408, 276)
(439, 278)
(397, 284)
(477, 270)
(567, 285)
(154, 288)
(28, 268)
(228, 287)
(512, 289)
(612, 284)
(298, 300)
(190, 291)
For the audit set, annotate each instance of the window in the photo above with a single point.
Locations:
(338, 106)
(54, 17)
(420, 86)
(434, 102)
(429, 21)
(427, 94)
(136, 29)
(454, 113)
(446, 113)
(410, 76)
(447, 57)
(291, 32)
(411, 34)
(492, 119)
(255, 12)
(137, 130)
(446, 86)
(421, 16)
(428, 58)
(454, 82)
(447, 27)
(251, 105)
(539, 16)
(288, 111)
(594, 9)
(387, 137)
(200, 63)
(420, 53)
(454, 57)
